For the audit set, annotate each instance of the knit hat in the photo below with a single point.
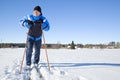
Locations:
(38, 8)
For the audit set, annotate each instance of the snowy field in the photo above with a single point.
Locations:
(66, 64)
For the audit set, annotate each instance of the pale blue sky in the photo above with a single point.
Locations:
(84, 21)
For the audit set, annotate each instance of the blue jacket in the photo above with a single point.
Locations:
(45, 24)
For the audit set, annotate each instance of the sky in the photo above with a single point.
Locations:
(81, 21)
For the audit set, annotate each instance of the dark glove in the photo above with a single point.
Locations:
(27, 23)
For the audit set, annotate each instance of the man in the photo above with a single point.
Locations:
(35, 24)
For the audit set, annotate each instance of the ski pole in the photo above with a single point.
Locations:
(23, 57)
(45, 47)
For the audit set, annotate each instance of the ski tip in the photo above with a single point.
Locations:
(41, 76)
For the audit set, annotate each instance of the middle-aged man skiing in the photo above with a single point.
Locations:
(35, 24)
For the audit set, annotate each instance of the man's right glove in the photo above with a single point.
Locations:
(27, 23)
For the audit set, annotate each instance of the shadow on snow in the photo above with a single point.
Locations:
(79, 64)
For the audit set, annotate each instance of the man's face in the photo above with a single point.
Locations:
(36, 13)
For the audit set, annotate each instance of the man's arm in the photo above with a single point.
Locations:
(45, 24)
(25, 22)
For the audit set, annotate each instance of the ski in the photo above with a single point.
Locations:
(34, 74)
(39, 73)
(28, 74)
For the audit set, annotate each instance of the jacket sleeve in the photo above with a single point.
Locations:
(25, 22)
(45, 24)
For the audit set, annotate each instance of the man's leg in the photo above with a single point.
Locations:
(29, 51)
(37, 51)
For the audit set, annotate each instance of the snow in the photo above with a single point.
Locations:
(66, 64)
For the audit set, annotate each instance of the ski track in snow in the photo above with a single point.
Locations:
(12, 73)
(65, 65)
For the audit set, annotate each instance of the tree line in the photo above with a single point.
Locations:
(72, 45)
